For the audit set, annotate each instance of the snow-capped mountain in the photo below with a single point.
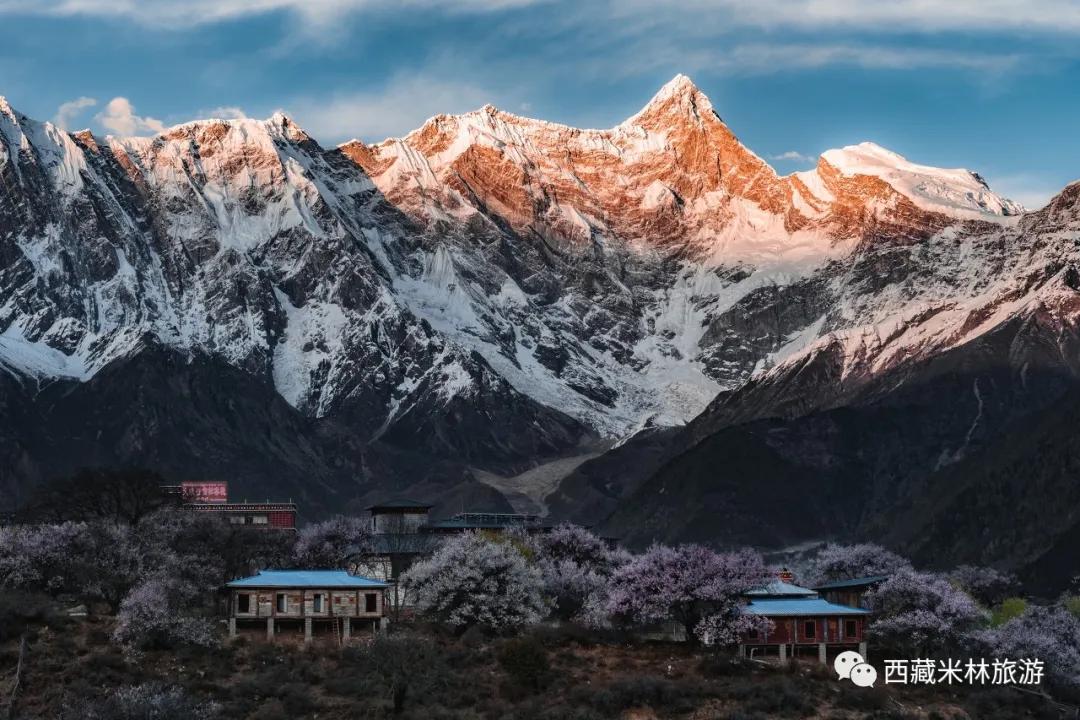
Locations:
(635, 247)
(493, 274)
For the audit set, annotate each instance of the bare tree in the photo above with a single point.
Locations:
(120, 495)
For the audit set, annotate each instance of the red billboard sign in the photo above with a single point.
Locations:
(205, 492)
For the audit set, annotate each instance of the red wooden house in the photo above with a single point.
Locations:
(802, 623)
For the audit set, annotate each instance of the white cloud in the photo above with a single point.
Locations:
(894, 16)
(181, 13)
(70, 110)
(767, 59)
(225, 112)
(776, 58)
(792, 156)
(403, 105)
(119, 117)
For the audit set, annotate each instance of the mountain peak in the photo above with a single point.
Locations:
(679, 96)
(679, 87)
(280, 119)
(956, 192)
(678, 84)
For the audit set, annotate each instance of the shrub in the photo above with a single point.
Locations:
(153, 616)
(402, 667)
(1072, 605)
(1008, 609)
(777, 697)
(150, 701)
(641, 691)
(21, 610)
(719, 665)
(526, 663)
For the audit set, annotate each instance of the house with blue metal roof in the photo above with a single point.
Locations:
(780, 589)
(323, 603)
(801, 621)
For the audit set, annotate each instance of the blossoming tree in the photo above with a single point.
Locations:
(577, 566)
(845, 562)
(693, 585)
(475, 580)
(921, 614)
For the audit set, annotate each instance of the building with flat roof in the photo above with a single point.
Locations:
(317, 603)
(398, 516)
(212, 496)
(465, 521)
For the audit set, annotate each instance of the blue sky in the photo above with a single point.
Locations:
(992, 85)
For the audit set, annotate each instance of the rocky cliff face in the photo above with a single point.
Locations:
(492, 290)
(245, 243)
(934, 429)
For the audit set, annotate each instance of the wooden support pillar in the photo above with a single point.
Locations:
(270, 628)
(821, 654)
(307, 630)
(232, 627)
(346, 628)
(862, 651)
(783, 653)
(742, 650)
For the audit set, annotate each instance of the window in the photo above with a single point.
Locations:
(258, 520)
(810, 629)
(371, 602)
(317, 603)
(851, 628)
(282, 603)
(752, 634)
(243, 603)
(236, 519)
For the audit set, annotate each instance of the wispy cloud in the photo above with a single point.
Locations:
(227, 112)
(896, 16)
(402, 105)
(781, 56)
(763, 58)
(72, 109)
(188, 13)
(119, 117)
(792, 156)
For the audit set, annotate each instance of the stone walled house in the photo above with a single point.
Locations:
(307, 603)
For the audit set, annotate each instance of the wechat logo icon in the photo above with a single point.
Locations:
(845, 661)
(850, 665)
